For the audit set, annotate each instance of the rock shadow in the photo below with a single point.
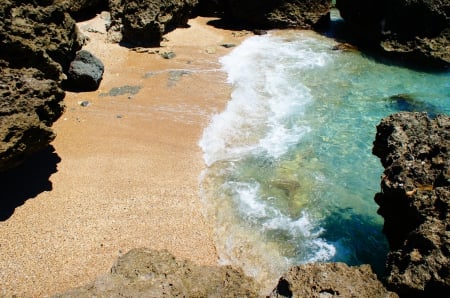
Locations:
(27, 181)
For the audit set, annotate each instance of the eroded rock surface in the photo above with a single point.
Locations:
(38, 41)
(330, 280)
(415, 202)
(143, 22)
(279, 14)
(149, 273)
(416, 29)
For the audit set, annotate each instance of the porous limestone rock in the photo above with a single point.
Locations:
(143, 22)
(38, 42)
(149, 273)
(415, 202)
(320, 280)
(305, 14)
(414, 29)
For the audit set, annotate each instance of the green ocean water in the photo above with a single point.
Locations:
(291, 177)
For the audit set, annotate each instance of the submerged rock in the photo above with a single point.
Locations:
(418, 30)
(143, 22)
(149, 273)
(415, 202)
(330, 280)
(85, 72)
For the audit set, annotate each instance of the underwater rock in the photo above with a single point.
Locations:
(330, 280)
(418, 30)
(415, 202)
(150, 273)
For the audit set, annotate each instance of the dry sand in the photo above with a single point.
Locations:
(129, 170)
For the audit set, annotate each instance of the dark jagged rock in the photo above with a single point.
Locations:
(415, 202)
(149, 273)
(279, 14)
(416, 29)
(38, 40)
(330, 280)
(85, 72)
(143, 22)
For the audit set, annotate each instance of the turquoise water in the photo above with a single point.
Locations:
(290, 175)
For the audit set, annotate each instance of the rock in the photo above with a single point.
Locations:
(279, 14)
(143, 22)
(85, 72)
(211, 8)
(418, 29)
(415, 202)
(149, 273)
(38, 42)
(168, 55)
(30, 104)
(77, 7)
(330, 280)
(39, 36)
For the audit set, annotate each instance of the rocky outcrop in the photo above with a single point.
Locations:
(149, 273)
(330, 280)
(29, 104)
(415, 29)
(77, 7)
(143, 22)
(415, 202)
(85, 72)
(38, 42)
(279, 14)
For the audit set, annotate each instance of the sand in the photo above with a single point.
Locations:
(129, 167)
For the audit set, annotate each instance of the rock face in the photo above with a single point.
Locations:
(417, 29)
(330, 280)
(85, 72)
(150, 273)
(38, 41)
(415, 202)
(304, 14)
(80, 6)
(143, 22)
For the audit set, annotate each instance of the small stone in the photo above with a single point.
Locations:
(168, 55)
(84, 103)
(228, 45)
(210, 50)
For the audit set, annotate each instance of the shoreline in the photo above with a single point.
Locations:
(128, 167)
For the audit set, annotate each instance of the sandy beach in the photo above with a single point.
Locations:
(127, 165)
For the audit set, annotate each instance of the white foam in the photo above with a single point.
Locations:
(263, 113)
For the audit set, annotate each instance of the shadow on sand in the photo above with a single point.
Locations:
(27, 181)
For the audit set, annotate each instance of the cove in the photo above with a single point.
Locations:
(290, 175)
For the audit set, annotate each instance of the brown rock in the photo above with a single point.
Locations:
(149, 273)
(38, 41)
(415, 201)
(418, 30)
(143, 23)
(329, 280)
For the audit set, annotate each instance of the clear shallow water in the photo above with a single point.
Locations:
(290, 176)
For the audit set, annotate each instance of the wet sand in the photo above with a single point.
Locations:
(128, 166)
